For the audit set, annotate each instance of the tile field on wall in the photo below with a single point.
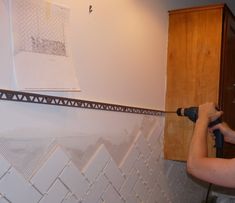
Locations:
(142, 176)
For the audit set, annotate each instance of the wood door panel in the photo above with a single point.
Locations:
(193, 69)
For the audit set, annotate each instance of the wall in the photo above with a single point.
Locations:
(120, 55)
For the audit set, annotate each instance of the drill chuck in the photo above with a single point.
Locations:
(191, 113)
(180, 112)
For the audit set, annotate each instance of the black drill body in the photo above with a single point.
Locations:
(192, 114)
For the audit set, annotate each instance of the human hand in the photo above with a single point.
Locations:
(229, 134)
(208, 111)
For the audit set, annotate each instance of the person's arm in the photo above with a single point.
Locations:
(214, 170)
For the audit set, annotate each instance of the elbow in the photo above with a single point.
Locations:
(191, 167)
(195, 166)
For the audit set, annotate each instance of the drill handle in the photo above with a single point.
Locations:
(219, 142)
(219, 137)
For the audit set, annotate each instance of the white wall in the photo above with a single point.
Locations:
(120, 55)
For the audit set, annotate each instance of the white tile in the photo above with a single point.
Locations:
(157, 149)
(142, 168)
(56, 193)
(4, 166)
(3, 200)
(114, 175)
(96, 190)
(100, 201)
(129, 160)
(155, 133)
(133, 199)
(143, 147)
(157, 167)
(96, 164)
(152, 162)
(157, 195)
(141, 191)
(152, 197)
(138, 134)
(110, 195)
(128, 185)
(70, 199)
(162, 180)
(51, 168)
(151, 181)
(15, 188)
(74, 180)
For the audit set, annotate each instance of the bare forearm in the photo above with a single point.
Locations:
(198, 146)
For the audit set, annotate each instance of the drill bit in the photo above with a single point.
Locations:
(169, 111)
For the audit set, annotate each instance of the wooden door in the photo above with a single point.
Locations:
(193, 69)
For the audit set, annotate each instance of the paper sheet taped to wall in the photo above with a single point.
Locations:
(42, 59)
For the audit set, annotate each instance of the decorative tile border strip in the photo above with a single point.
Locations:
(19, 96)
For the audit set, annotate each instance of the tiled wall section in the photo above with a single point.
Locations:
(142, 176)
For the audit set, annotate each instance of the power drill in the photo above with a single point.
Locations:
(192, 114)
